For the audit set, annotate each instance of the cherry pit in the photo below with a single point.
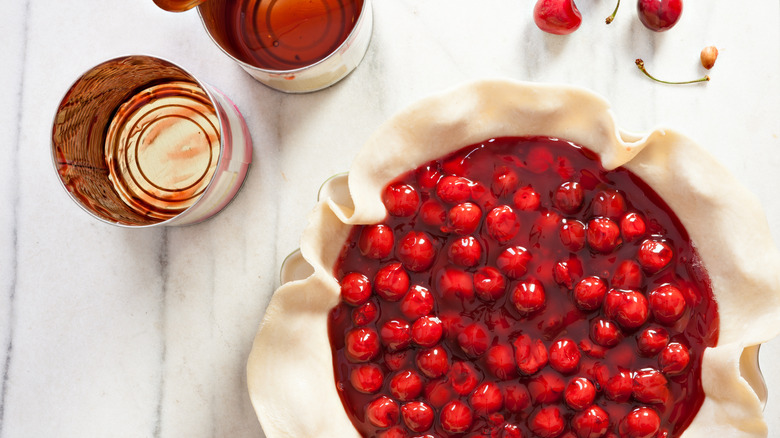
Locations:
(518, 289)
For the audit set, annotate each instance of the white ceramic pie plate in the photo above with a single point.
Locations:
(290, 375)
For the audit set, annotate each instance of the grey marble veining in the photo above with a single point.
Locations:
(114, 332)
(15, 32)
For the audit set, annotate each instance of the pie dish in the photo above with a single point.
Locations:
(298, 384)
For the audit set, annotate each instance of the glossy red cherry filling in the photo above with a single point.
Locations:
(517, 289)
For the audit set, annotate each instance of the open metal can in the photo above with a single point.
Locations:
(295, 46)
(137, 141)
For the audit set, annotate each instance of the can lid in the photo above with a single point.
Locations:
(178, 5)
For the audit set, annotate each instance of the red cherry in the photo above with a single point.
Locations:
(564, 168)
(527, 199)
(362, 344)
(667, 304)
(513, 261)
(486, 399)
(367, 378)
(546, 388)
(489, 284)
(627, 308)
(417, 302)
(396, 334)
(547, 223)
(455, 284)
(365, 313)
(463, 377)
(417, 416)
(596, 371)
(591, 423)
(633, 227)
(568, 197)
(654, 255)
(558, 17)
(547, 422)
(500, 361)
(456, 417)
(589, 293)
(528, 296)
(659, 15)
(394, 432)
(401, 199)
(619, 386)
(383, 412)
(608, 203)
(376, 241)
(567, 272)
(355, 289)
(539, 159)
(650, 386)
(642, 422)
(572, 234)
(530, 354)
(464, 218)
(433, 362)
(453, 323)
(457, 165)
(502, 224)
(391, 282)
(579, 393)
(516, 397)
(474, 339)
(564, 356)
(454, 189)
(507, 430)
(398, 359)
(628, 275)
(483, 197)
(438, 392)
(465, 251)
(428, 176)
(427, 331)
(406, 385)
(416, 251)
(433, 213)
(652, 340)
(605, 333)
(504, 182)
(603, 235)
(674, 359)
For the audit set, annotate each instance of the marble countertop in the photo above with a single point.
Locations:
(106, 331)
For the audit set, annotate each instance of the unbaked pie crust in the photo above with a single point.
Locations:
(290, 369)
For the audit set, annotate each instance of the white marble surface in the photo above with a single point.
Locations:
(113, 332)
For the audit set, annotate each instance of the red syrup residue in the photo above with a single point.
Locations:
(572, 302)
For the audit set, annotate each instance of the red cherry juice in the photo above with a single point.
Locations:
(286, 34)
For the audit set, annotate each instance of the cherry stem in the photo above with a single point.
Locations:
(641, 65)
(612, 17)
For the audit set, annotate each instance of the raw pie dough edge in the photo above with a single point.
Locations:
(290, 374)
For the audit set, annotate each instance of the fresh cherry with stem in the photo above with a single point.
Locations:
(641, 65)
(659, 15)
(559, 17)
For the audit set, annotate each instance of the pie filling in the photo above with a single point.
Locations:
(518, 289)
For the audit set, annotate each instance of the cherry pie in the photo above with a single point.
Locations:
(507, 263)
